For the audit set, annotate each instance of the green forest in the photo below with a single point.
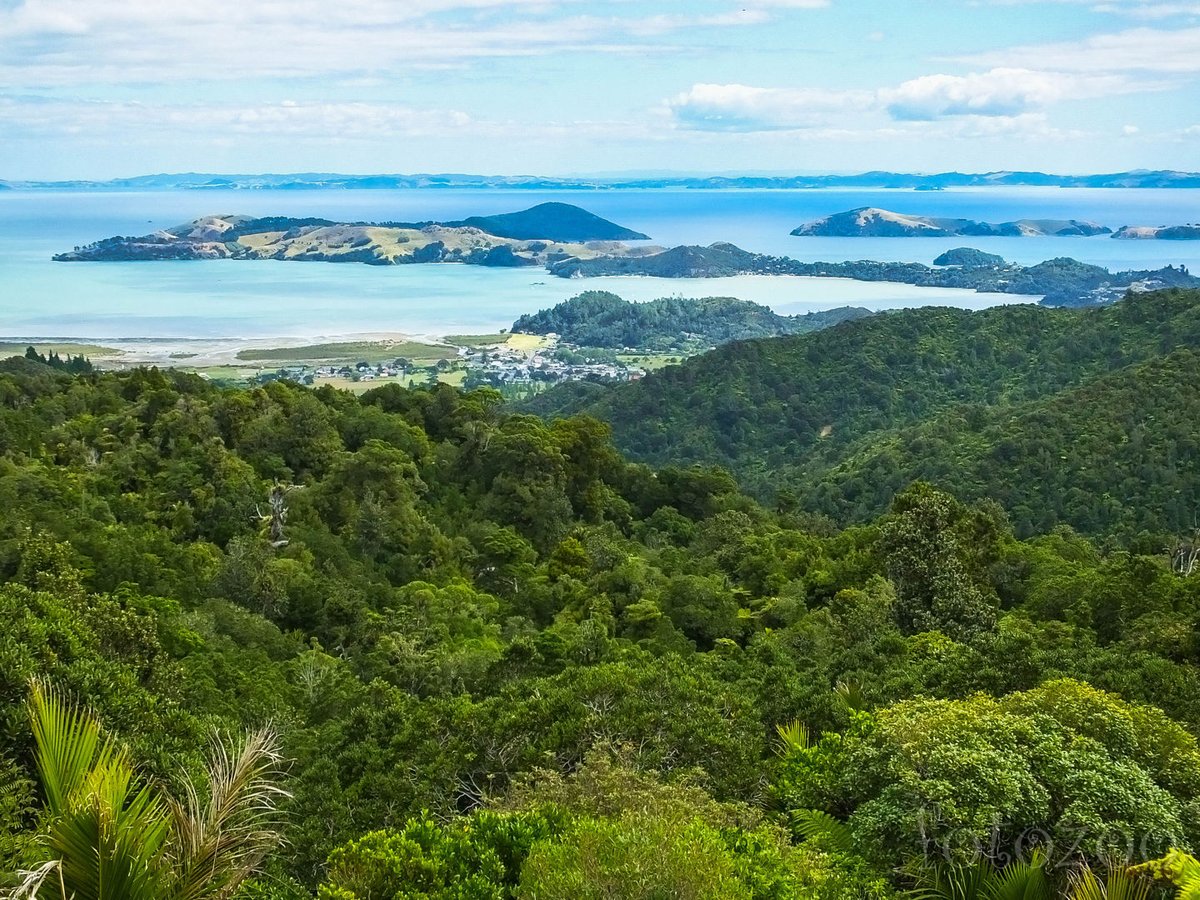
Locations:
(602, 319)
(281, 642)
(1069, 417)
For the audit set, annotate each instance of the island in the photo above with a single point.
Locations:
(1059, 282)
(533, 237)
(602, 319)
(969, 257)
(570, 242)
(870, 221)
(1158, 232)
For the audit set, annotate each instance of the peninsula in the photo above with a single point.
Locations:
(1059, 282)
(870, 221)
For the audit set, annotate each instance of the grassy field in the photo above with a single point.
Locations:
(415, 380)
(476, 340)
(526, 342)
(351, 351)
(650, 361)
(92, 351)
(224, 373)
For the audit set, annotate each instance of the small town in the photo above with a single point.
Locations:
(533, 364)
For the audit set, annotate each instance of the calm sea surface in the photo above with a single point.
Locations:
(219, 299)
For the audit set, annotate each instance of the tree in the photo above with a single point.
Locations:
(114, 836)
(931, 543)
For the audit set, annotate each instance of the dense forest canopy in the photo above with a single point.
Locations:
(504, 661)
(602, 319)
(1077, 417)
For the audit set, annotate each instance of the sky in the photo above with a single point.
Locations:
(112, 88)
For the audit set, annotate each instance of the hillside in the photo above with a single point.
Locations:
(552, 221)
(868, 221)
(487, 645)
(602, 319)
(790, 410)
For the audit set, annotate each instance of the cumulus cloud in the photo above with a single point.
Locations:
(997, 92)
(1007, 94)
(739, 107)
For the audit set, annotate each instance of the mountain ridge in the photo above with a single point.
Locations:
(1138, 178)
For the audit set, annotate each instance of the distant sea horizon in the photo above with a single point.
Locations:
(262, 299)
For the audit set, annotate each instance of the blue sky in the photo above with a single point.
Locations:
(104, 88)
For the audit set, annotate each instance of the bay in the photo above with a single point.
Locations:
(261, 299)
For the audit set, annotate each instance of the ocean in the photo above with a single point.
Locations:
(265, 299)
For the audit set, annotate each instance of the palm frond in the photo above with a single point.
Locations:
(1021, 880)
(831, 833)
(69, 745)
(1119, 883)
(850, 693)
(225, 828)
(29, 882)
(953, 881)
(793, 737)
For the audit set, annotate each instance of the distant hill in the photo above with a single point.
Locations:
(1100, 403)
(869, 221)
(336, 181)
(602, 319)
(1159, 232)
(553, 221)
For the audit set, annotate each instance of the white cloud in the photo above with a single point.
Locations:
(1150, 10)
(997, 92)
(1136, 50)
(739, 107)
(1130, 130)
(1009, 94)
(70, 42)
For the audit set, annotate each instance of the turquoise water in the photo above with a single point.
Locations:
(217, 299)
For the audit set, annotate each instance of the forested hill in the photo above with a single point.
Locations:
(847, 416)
(490, 648)
(602, 319)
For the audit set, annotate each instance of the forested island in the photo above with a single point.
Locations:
(1060, 282)
(499, 659)
(602, 319)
